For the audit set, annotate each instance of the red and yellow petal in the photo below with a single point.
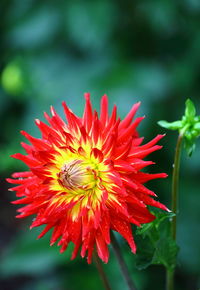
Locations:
(85, 178)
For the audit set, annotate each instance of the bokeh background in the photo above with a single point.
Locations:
(132, 50)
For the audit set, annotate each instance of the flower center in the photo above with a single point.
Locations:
(77, 174)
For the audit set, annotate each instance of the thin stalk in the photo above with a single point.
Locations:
(175, 187)
(170, 280)
(175, 183)
(123, 266)
(100, 269)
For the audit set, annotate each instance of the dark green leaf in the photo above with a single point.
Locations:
(145, 253)
(155, 246)
(163, 252)
(160, 217)
(166, 253)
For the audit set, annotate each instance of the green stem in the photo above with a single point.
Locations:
(100, 269)
(175, 183)
(170, 280)
(123, 266)
(175, 186)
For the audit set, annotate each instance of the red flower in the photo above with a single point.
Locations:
(85, 178)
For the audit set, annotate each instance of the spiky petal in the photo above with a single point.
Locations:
(85, 178)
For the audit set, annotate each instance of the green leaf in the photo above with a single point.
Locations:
(155, 246)
(189, 145)
(170, 125)
(197, 127)
(188, 126)
(190, 110)
(145, 253)
(146, 229)
(166, 253)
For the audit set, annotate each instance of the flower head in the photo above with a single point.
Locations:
(85, 178)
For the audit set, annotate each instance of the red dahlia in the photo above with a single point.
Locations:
(85, 178)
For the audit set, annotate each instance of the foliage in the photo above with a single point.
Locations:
(188, 126)
(155, 243)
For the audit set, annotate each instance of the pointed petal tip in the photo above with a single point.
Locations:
(105, 261)
(13, 202)
(133, 250)
(66, 108)
(46, 115)
(132, 246)
(163, 207)
(137, 105)
(164, 175)
(89, 261)
(160, 136)
(159, 147)
(87, 96)
(22, 144)
(73, 257)
(19, 216)
(82, 254)
(104, 97)
(52, 110)
(14, 155)
(64, 104)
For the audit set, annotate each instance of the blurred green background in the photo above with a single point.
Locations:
(132, 50)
